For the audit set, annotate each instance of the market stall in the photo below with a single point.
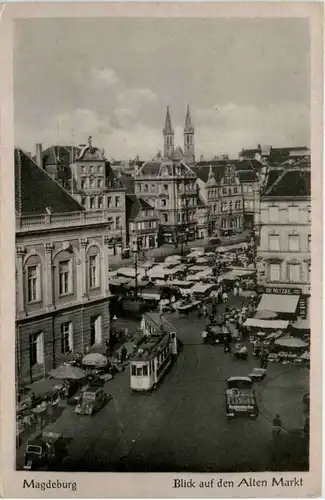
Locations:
(284, 305)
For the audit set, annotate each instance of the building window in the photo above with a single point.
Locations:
(100, 169)
(293, 242)
(230, 206)
(93, 271)
(165, 217)
(83, 201)
(117, 202)
(224, 190)
(138, 186)
(109, 202)
(33, 283)
(293, 214)
(99, 183)
(274, 242)
(235, 190)
(92, 203)
(83, 184)
(83, 169)
(163, 203)
(36, 349)
(100, 202)
(224, 206)
(309, 242)
(309, 272)
(224, 223)
(91, 183)
(65, 277)
(146, 187)
(92, 169)
(273, 214)
(66, 338)
(237, 205)
(95, 330)
(118, 223)
(294, 273)
(165, 187)
(249, 188)
(275, 272)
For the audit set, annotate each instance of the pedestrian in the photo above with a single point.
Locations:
(204, 310)
(225, 297)
(124, 353)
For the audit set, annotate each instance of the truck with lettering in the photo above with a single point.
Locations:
(240, 398)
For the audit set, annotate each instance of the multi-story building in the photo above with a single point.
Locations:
(62, 287)
(284, 250)
(96, 187)
(169, 185)
(231, 190)
(56, 161)
(142, 223)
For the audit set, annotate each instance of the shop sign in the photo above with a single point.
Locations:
(282, 291)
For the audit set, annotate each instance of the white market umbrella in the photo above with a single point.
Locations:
(67, 372)
(305, 355)
(291, 342)
(265, 314)
(95, 359)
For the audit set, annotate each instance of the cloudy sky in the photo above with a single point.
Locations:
(247, 82)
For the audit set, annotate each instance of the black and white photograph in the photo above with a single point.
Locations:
(163, 245)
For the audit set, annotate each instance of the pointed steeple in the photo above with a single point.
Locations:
(168, 124)
(188, 122)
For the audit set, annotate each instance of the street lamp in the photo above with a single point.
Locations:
(135, 257)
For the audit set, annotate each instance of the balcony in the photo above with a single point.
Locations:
(55, 221)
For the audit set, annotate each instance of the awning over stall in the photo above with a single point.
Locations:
(279, 303)
(201, 287)
(275, 324)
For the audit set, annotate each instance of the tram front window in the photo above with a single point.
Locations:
(145, 370)
(139, 371)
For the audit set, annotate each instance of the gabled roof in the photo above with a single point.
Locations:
(36, 192)
(134, 205)
(158, 168)
(57, 154)
(247, 170)
(90, 153)
(295, 182)
(128, 182)
(112, 180)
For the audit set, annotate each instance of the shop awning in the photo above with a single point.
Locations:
(279, 303)
(201, 288)
(276, 324)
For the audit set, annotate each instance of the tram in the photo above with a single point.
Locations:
(154, 354)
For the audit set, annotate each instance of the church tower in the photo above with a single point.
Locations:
(168, 136)
(189, 138)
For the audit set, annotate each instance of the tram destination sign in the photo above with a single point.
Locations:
(282, 291)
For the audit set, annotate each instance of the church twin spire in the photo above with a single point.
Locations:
(188, 137)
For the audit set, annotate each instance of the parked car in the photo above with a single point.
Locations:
(257, 374)
(92, 400)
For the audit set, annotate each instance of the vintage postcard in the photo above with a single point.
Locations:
(162, 248)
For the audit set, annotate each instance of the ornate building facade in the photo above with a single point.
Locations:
(62, 288)
(97, 187)
(168, 184)
(230, 189)
(284, 250)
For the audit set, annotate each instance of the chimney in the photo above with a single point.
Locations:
(39, 155)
